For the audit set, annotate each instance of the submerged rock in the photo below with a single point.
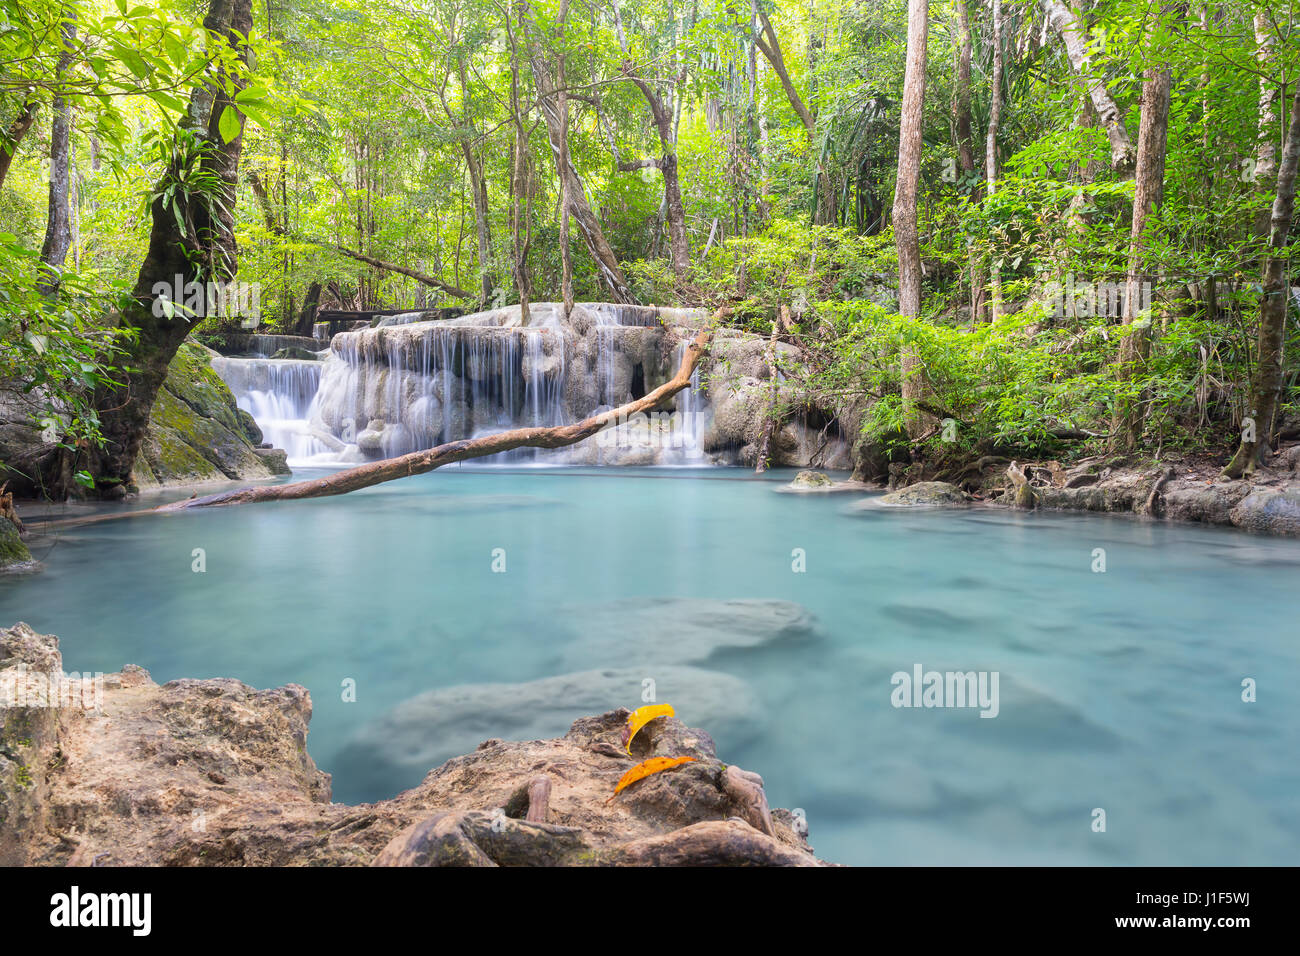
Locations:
(213, 772)
(654, 631)
(431, 727)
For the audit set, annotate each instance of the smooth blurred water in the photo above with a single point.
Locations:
(1119, 690)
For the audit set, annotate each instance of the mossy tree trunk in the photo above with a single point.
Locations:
(201, 250)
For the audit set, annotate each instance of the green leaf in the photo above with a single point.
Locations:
(167, 101)
(229, 126)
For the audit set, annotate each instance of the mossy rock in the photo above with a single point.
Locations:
(14, 555)
(926, 494)
(811, 479)
(196, 431)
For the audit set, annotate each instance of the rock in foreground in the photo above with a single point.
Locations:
(212, 772)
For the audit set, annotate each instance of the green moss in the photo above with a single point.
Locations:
(12, 549)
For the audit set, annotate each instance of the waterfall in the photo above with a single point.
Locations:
(413, 382)
(279, 394)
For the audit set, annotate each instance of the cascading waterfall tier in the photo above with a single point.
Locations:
(278, 393)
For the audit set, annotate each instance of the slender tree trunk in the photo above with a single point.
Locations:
(566, 256)
(991, 154)
(679, 248)
(307, 317)
(58, 225)
(1064, 21)
(14, 135)
(961, 92)
(1266, 384)
(1266, 150)
(906, 233)
(520, 229)
(482, 227)
(1148, 194)
(963, 128)
(200, 247)
(766, 40)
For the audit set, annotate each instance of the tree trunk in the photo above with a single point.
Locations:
(420, 462)
(482, 228)
(766, 40)
(679, 249)
(1266, 384)
(307, 317)
(566, 257)
(14, 135)
(905, 202)
(961, 93)
(1266, 150)
(1148, 194)
(203, 250)
(611, 273)
(991, 154)
(779, 325)
(1066, 24)
(58, 226)
(520, 208)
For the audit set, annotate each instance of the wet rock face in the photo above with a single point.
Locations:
(214, 772)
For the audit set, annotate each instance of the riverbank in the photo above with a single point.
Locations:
(1174, 488)
(214, 772)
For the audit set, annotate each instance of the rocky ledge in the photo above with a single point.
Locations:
(125, 772)
(1182, 489)
(1267, 503)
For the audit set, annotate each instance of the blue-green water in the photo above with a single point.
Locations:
(1119, 690)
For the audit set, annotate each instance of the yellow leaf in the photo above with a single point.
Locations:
(645, 768)
(642, 716)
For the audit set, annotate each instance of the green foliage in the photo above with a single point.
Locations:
(57, 348)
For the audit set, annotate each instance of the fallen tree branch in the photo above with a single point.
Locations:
(420, 462)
